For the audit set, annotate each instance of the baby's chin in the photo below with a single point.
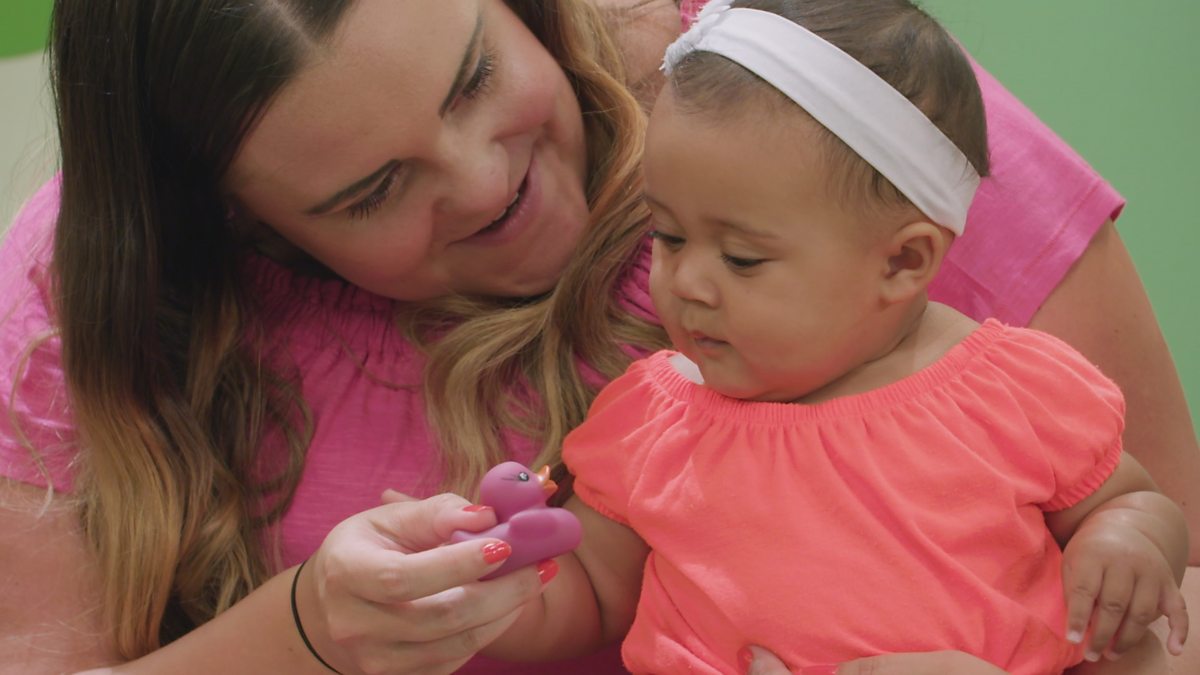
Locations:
(754, 392)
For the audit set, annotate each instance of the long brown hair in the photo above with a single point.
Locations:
(194, 434)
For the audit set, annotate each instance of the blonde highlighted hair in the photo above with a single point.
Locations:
(193, 434)
(507, 365)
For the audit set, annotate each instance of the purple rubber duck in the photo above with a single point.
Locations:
(535, 531)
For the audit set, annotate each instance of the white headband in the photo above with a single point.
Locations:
(849, 99)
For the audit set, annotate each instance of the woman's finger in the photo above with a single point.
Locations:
(421, 525)
(930, 663)
(758, 661)
(391, 577)
(447, 654)
(459, 609)
(391, 496)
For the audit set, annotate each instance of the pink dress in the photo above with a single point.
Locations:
(905, 519)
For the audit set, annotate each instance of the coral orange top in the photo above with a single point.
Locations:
(906, 519)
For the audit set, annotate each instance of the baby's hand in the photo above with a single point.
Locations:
(1116, 577)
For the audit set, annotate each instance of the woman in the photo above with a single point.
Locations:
(250, 192)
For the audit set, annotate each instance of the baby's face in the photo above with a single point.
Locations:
(759, 275)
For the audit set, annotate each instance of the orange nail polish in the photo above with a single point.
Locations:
(496, 551)
(476, 508)
(547, 570)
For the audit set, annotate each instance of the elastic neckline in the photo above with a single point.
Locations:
(707, 401)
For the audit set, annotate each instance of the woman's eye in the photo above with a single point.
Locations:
(479, 81)
(741, 263)
(668, 240)
(373, 201)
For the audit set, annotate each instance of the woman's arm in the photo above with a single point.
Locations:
(49, 587)
(50, 619)
(1101, 309)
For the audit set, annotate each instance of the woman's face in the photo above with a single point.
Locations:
(431, 148)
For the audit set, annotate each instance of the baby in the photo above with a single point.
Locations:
(830, 465)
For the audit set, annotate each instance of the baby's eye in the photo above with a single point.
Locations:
(669, 240)
(741, 263)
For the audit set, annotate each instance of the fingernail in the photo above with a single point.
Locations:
(745, 657)
(1111, 655)
(1090, 655)
(819, 670)
(476, 508)
(496, 551)
(1074, 636)
(547, 570)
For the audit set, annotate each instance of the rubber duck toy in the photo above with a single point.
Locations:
(535, 531)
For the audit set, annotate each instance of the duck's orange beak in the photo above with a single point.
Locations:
(548, 486)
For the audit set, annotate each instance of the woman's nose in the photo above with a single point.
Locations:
(476, 181)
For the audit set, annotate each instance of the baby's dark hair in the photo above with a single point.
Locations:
(902, 44)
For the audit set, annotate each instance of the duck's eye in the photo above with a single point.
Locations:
(523, 477)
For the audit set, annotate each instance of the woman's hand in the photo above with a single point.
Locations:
(928, 663)
(382, 595)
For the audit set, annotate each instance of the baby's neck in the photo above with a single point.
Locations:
(921, 337)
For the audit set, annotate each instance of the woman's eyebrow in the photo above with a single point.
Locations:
(460, 80)
(351, 190)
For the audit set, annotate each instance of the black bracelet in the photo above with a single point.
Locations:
(299, 627)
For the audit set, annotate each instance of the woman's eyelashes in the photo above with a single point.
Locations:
(482, 77)
(373, 201)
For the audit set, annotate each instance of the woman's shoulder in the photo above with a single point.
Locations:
(30, 236)
(36, 428)
(1031, 219)
(25, 256)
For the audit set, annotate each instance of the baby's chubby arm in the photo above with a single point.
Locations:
(589, 603)
(1125, 550)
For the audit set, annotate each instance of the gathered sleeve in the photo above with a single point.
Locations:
(1073, 417)
(607, 452)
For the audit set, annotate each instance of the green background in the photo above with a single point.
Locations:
(23, 26)
(1119, 80)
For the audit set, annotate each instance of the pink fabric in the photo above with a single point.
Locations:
(1031, 219)
(909, 518)
(360, 379)
(35, 418)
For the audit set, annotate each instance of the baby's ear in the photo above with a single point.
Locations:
(914, 256)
